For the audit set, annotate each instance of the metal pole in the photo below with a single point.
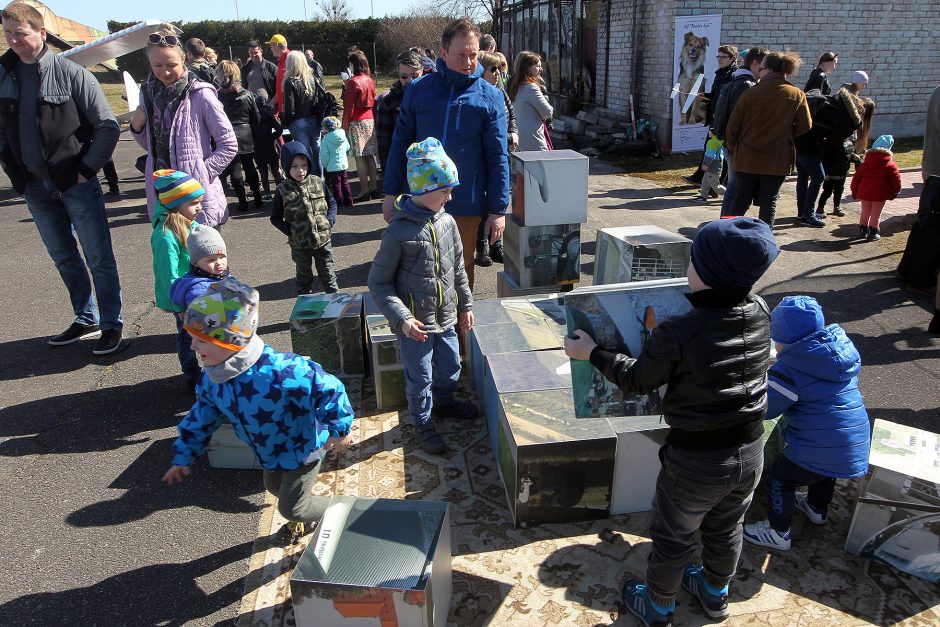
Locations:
(305, 10)
(375, 63)
(236, 9)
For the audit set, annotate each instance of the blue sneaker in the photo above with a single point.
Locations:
(713, 600)
(637, 599)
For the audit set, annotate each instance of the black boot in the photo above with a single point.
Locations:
(239, 187)
(483, 253)
(256, 192)
(496, 251)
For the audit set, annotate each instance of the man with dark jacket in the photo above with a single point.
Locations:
(56, 132)
(387, 105)
(258, 73)
(315, 66)
(467, 114)
(714, 359)
(742, 79)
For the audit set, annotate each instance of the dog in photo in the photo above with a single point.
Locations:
(691, 66)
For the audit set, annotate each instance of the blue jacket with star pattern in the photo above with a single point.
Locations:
(284, 407)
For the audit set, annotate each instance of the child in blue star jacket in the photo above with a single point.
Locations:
(286, 408)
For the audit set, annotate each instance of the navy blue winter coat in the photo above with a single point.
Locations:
(468, 116)
(814, 384)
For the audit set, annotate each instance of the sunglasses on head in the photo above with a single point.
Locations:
(167, 41)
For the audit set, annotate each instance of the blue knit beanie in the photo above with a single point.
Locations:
(733, 253)
(884, 141)
(795, 318)
(429, 167)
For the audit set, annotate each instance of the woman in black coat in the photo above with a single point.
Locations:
(727, 65)
(242, 111)
(819, 77)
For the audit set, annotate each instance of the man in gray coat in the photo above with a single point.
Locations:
(56, 131)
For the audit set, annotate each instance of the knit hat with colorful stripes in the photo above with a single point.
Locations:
(174, 188)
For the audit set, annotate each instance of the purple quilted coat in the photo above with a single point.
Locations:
(199, 117)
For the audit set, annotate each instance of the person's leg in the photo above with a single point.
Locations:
(238, 182)
(820, 494)
(251, 176)
(417, 358)
(827, 188)
(272, 481)
(446, 367)
(817, 174)
(345, 189)
(467, 227)
(295, 499)
(729, 186)
(483, 247)
(300, 131)
(373, 172)
(768, 192)
(315, 148)
(184, 351)
(85, 205)
(706, 187)
(802, 182)
(783, 479)
(55, 228)
(323, 258)
(739, 201)
(874, 217)
(274, 162)
(864, 217)
(838, 188)
(363, 171)
(303, 262)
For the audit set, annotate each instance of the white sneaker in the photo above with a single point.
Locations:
(803, 505)
(762, 534)
(721, 189)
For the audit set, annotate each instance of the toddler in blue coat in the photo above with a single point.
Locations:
(814, 385)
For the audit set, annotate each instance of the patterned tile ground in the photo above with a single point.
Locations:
(570, 574)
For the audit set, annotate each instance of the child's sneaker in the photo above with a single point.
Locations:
(431, 441)
(762, 534)
(713, 600)
(700, 200)
(456, 409)
(637, 599)
(803, 505)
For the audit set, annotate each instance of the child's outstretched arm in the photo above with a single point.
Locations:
(277, 214)
(653, 368)
(195, 431)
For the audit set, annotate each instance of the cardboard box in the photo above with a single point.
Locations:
(375, 562)
(520, 372)
(388, 371)
(639, 253)
(227, 451)
(328, 328)
(897, 514)
(538, 256)
(507, 288)
(549, 187)
(554, 467)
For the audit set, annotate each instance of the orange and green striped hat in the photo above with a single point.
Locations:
(174, 188)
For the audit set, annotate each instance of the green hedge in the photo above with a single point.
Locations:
(329, 40)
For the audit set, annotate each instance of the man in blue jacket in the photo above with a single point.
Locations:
(467, 114)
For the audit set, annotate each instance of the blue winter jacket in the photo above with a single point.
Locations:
(188, 288)
(284, 407)
(814, 384)
(468, 115)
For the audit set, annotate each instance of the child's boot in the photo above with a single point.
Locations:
(430, 440)
(713, 600)
(872, 234)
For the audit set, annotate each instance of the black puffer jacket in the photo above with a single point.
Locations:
(714, 359)
(740, 83)
(723, 77)
(242, 111)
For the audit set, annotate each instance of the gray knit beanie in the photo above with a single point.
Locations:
(204, 241)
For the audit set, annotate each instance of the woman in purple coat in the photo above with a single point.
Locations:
(181, 125)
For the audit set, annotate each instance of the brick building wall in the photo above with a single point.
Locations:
(894, 44)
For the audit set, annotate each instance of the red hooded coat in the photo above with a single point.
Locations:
(878, 178)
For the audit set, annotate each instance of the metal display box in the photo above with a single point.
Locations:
(637, 466)
(539, 256)
(388, 371)
(549, 187)
(375, 562)
(506, 287)
(226, 450)
(639, 253)
(897, 513)
(328, 329)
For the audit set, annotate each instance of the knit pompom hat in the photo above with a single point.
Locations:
(174, 188)
(204, 241)
(331, 123)
(429, 167)
(226, 315)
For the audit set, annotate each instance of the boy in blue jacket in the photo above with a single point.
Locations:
(286, 408)
(814, 385)
(208, 263)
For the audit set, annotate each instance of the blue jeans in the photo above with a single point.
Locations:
(707, 491)
(728, 199)
(809, 178)
(60, 216)
(307, 132)
(784, 478)
(184, 350)
(432, 369)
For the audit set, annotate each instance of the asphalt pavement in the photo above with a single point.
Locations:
(93, 537)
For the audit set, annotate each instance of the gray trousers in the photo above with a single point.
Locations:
(304, 260)
(707, 491)
(294, 492)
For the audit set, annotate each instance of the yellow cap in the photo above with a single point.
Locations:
(277, 39)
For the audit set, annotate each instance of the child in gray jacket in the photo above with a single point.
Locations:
(419, 282)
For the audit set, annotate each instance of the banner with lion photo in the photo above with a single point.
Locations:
(697, 41)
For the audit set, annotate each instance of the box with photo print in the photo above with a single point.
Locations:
(327, 328)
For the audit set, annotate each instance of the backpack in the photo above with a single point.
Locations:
(822, 109)
(326, 105)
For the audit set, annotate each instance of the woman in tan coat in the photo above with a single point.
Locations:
(760, 135)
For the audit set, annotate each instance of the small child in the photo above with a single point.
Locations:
(814, 385)
(711, 170)
(285, 407)
(178, 203)
(876, 181)
(305, 211)
(333, 159)
(265, 136)
(714, 359)
(208, 264)
(420, 284)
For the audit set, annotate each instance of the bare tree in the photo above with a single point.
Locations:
(334, 10)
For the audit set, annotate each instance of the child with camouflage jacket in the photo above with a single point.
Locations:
(305, 211)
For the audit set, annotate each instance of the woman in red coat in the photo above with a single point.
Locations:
(358, 98)
(876, 181)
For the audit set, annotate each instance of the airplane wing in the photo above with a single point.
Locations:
(116, 44)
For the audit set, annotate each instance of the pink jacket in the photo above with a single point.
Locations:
(199, 118)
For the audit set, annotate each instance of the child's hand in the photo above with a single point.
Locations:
(339, 444)
(411, 328)
(580, 346)
(465, 320)
(175, 474)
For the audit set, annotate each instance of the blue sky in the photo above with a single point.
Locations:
(96, 13)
